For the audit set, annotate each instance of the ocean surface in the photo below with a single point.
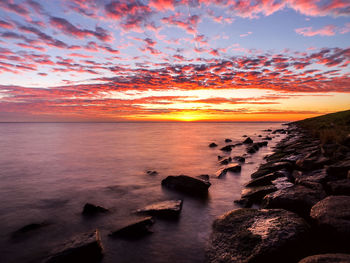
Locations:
(48, 171)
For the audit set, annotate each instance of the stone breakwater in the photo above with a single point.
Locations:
(301, 200)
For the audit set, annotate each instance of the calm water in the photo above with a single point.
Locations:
(50, 170)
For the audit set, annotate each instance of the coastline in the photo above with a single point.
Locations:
(302, 194)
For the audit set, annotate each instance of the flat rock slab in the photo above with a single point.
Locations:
(332, 215)
(169, 208)
(298, 199)
(250, 235)
(84, 248)
(270, 167)
(187, 184)
(327, 258)
(135, 229)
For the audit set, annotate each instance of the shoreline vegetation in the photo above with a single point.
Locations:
(302, 192)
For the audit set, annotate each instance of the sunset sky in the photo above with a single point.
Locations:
(182, 60)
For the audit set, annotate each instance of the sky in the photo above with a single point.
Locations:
(173, 60)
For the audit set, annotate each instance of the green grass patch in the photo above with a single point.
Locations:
(329, 128)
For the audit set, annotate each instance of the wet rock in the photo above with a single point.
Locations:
(226, 161)
(226, 148)
(250, 235)
(251, 150)
(213, 144)
(318, 176)
(84, 248)
(263, 180)
(332, 216)
(228, 140)
(267, 130)
(204, 177)
(167, 209)
(91, 209)
(327, 258)
(256, 194)
(339, 187)
(234, 168)
(220, 157)
(150, 172)
(298, 199)
(259, 135)
(271, 167)
(282, 183)
(248, 141)
(30, 228)
(281, 131)
(238, 144)
(308, 163)
(267, 138)
(135, 229)
(186, 184)
(239, 159)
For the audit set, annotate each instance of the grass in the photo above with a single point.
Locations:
(329, 128)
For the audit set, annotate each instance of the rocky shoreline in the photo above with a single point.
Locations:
(302, 192)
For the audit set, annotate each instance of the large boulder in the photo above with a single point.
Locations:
(327, 258)
(134, 229)
(250, 235)
(84, 248)
(187, 184)
(298, 199)
(168, 209)
(332, 216)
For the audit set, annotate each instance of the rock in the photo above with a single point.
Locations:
(30, 228)
(134, 229)
(298, 199)
(256, 194)
(204, 177)
(228, 140)
(244, 136)
(168, 209)
(339, 187)
(226, 161)
(248, 141)
(263, 180)
(149, 172)
(226, 148)
(250, 235)
(213, 144)
(340, 169)
(327, 258)
(282, 183)
(251, 150)
(234, 168)
(239, 159)
(282, 131)
(91, 209)
(332, 216)
(267, 138)
(259, 135)
(84, 248)
(220, 157)
(271, 167)
(318, 176)
(267, 130)
(311, 163)
(187, 184)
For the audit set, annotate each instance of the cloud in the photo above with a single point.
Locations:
(69, 29)
(329, 30)
(6, 25)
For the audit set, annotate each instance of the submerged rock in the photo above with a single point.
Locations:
(248, 141)
(187, 184)
(332, 216)
(250, 235)
(91, 209)
(30, 228)
(213, 144)
(298, 199)
(84, 248)
(150, 172)
(327, 258)
(226, 148)
(169, 208)
(135, 229)
(240, 159)
(228, 140)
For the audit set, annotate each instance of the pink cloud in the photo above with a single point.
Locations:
(329, 30)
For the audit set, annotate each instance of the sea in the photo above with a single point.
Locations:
(48, 171)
